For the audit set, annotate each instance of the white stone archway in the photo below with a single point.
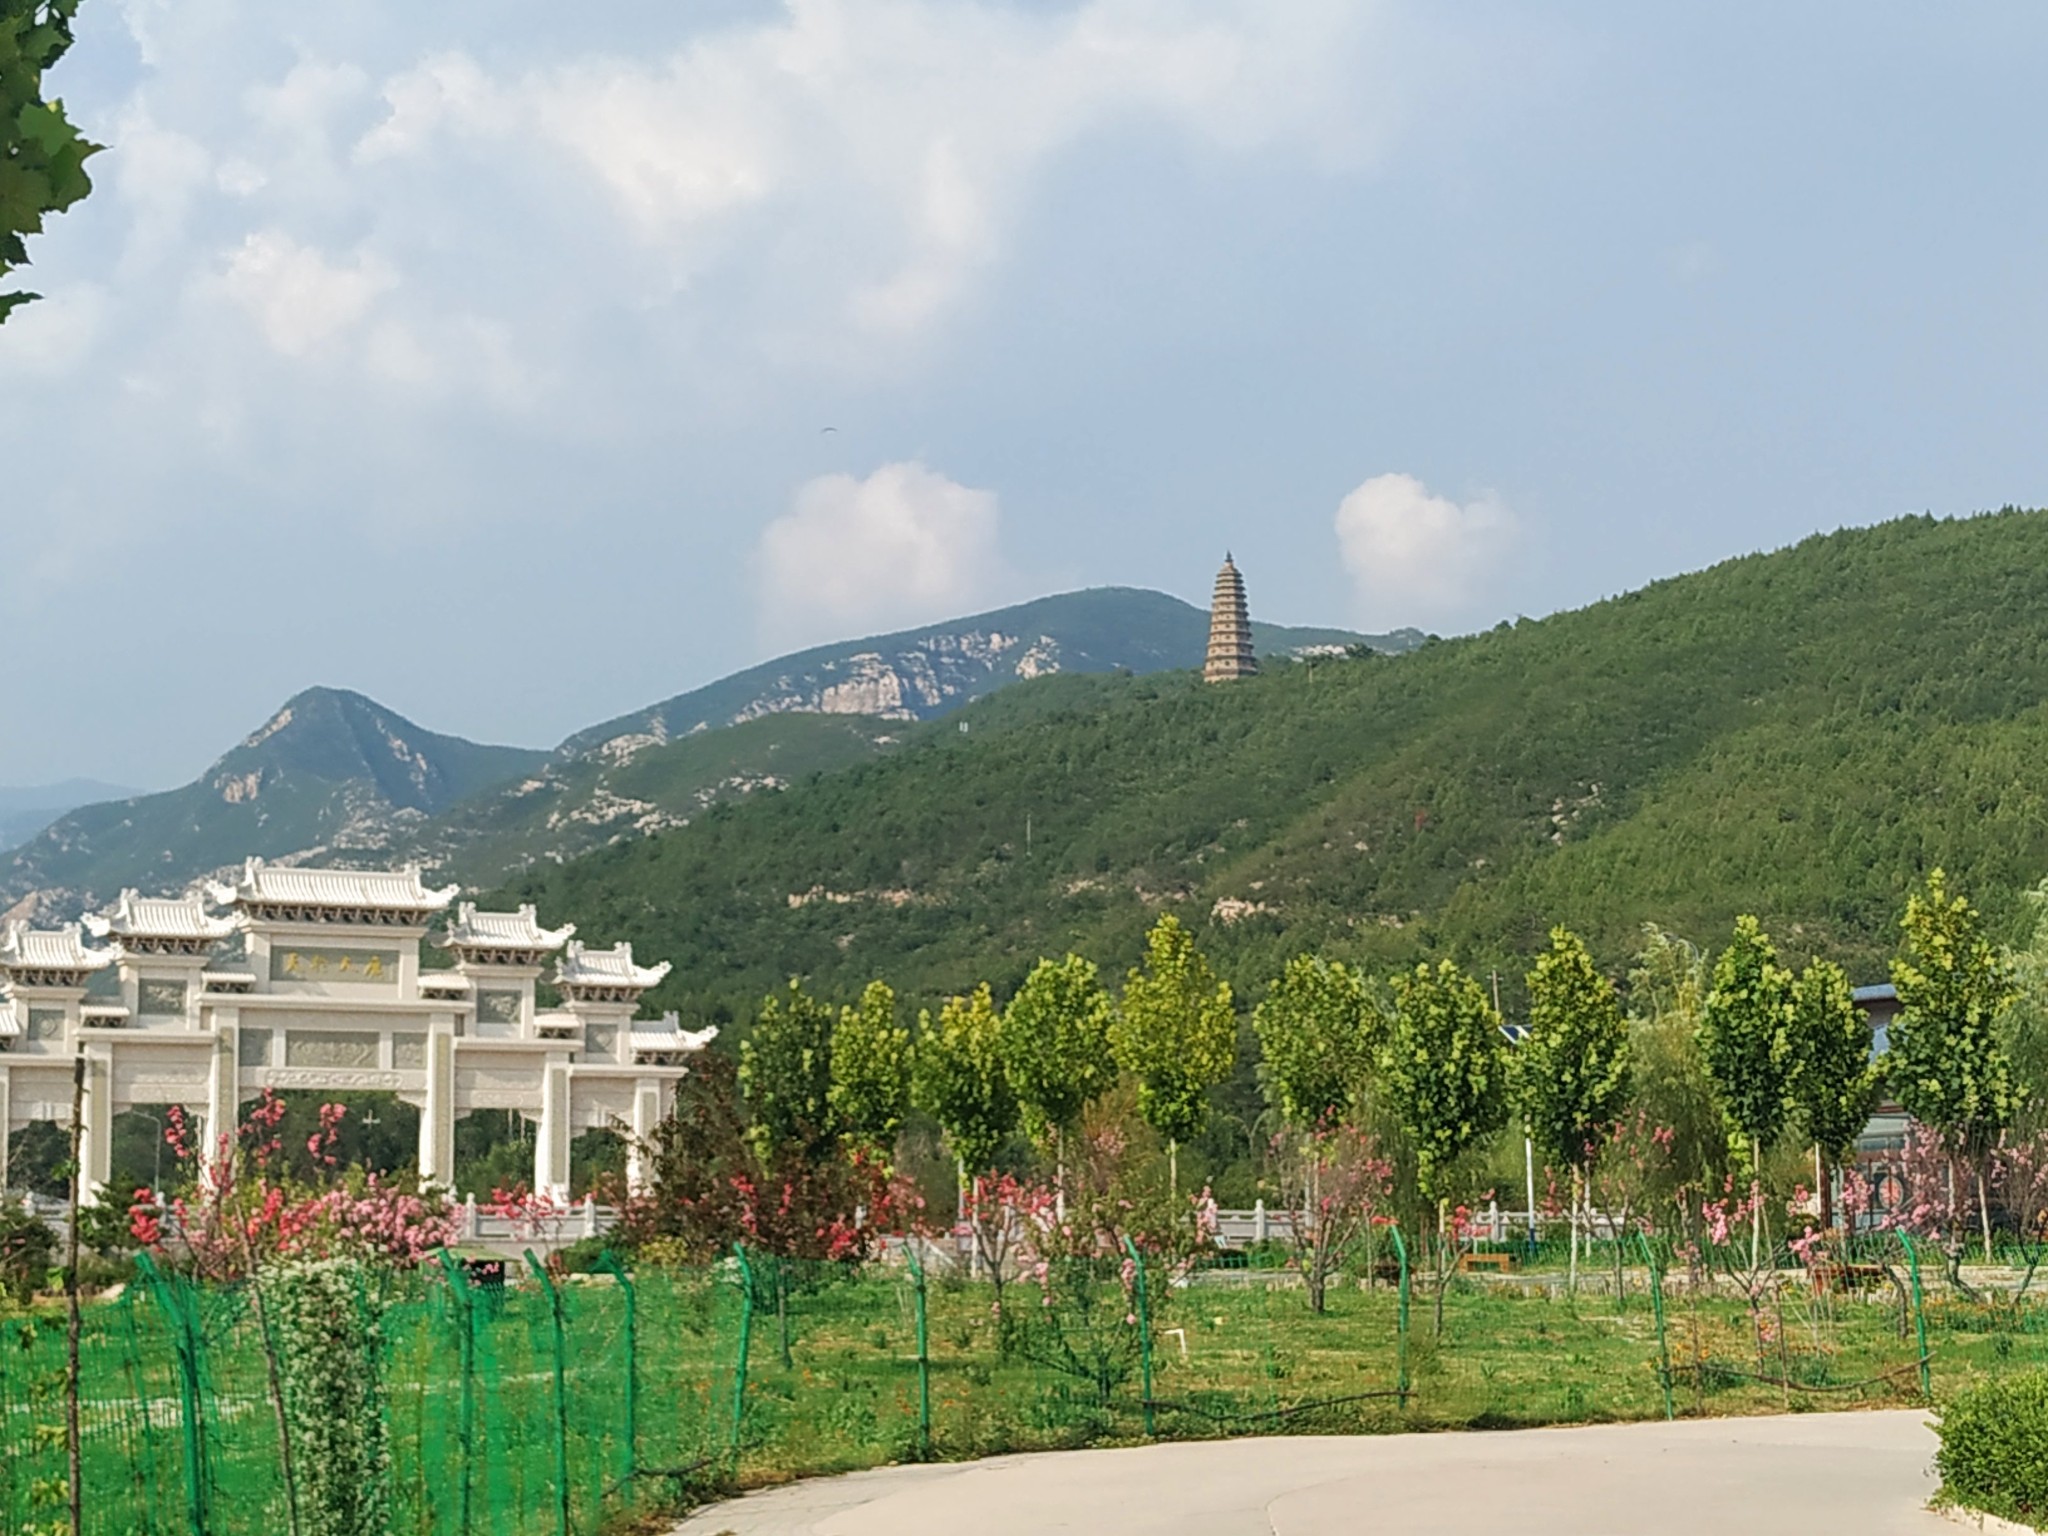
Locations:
(331, 995)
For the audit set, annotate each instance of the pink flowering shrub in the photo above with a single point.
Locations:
(240, 1210)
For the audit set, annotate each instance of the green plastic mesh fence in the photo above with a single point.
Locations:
(526, 1402)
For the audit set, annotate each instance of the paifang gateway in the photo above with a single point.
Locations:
(331, 995)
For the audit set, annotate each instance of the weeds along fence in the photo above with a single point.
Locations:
(556, 1405)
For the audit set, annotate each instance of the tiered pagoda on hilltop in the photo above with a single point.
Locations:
(1230, 629)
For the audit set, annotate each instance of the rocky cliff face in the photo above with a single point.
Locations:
(919, 674)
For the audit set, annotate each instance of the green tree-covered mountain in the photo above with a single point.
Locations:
(825, 708)
(918, 674)
(331, 772)
(1800, 734)
(335, 778)
(573, 805)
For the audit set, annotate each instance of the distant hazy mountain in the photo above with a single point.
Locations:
(916, 674)
(26, 810)
(336, 778)
(330, 773)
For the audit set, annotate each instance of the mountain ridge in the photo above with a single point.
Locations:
(1800, 734)
(330, 768)
(919, 672)
(334, 777)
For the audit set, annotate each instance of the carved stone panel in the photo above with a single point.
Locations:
(332, 1077)
(497, 1006)
(330, 1048)
(158, 998)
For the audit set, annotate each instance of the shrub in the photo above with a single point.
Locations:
(27, 1250)
(1994, 1449)
(328, 1343)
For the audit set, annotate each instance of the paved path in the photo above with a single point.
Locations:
(1801, 1474)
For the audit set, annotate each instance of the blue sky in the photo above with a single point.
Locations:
(477, 356)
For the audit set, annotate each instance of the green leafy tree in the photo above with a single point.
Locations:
(1176, 1033)
(1948, 1065)
(1745, 1041)
(1444, 1073)
(960, 1081)
(1316, 1027)
(1571, 1072)
(1055, 1044)
(1835, 1079)
(870, 1072)
(42, 157)
(1667, 991)
(786, 1076)
(1443, 1069)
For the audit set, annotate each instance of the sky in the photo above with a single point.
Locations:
(519, 365)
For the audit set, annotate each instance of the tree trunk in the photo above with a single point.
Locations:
(1826, 1175)
(1172, 1168)
(1572, 1220)
(1984, 1207)
(1955, 1215)
(1445, 1261)
(1756, 1196)
(1059, 1175)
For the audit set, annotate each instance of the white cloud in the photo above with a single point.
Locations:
(879, 152)
(903, 545)
(299, 297)
(1420, 558)
(54, 335)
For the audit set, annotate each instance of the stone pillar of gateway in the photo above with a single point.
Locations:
(328, 993)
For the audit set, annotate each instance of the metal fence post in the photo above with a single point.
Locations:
(1144, 1329)
(1401, 1322)
(924, 1356)
(1657, 1306)
(610, 1264)
(1919, 1315)
(185, 1344)
(561, 1395)
(739, 1370)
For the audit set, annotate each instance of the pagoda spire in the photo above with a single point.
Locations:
(1230, 629)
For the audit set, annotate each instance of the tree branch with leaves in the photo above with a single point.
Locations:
(42, 156)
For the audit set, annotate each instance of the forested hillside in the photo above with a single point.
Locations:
(1800, 734)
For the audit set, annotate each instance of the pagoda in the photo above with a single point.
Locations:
(1230, 629)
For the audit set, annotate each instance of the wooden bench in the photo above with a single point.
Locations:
(1503, 1262)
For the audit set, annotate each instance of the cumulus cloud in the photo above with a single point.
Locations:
(892, 141)
(1419, 558)
(298, 296)
(904, 545)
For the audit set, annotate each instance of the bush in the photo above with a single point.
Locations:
(1994, 1449)
(27, 1250)
(329, 1354)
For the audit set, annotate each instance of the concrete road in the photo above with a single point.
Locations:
(1800, 1475)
